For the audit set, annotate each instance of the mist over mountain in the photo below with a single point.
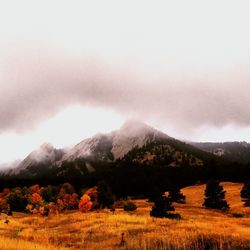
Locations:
(87, 155)
(135, 144)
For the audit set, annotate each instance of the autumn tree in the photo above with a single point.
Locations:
(4, 206)
(67, 198)
(35, 203)
(93, 194)
(85, 204)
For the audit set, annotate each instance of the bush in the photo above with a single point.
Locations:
(238, 215)
(129, 206)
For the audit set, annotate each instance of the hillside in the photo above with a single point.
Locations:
(233, 151)
(200, 228)
(133, 142)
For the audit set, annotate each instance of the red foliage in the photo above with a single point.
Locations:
(70, 201)
(36, 198)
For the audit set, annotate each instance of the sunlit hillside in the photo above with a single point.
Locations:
(199, 228)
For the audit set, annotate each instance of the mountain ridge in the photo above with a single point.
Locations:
(134, 139)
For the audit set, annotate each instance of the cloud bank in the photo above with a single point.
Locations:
(173, 64)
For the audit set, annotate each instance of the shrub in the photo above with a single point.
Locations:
(238, 215)
(129, 206)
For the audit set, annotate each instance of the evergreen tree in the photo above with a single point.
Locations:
(162, 208)
(215, 196)
(105, 195)
(245, 194)
(175, 195)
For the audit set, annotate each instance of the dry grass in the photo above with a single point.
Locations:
(200, 228)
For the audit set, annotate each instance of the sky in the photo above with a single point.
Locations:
(71, 69)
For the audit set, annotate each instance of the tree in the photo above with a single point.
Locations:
(70, 201)
(4, 206)
(36, 202)
(49, 193)
(175, 195)
(93, 194)
(16, 200)
(162, 208)
(105, 195)
(245, 194)
(85, 204)
(129, 206)
(215, 196)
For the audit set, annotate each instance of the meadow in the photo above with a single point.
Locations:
(199, 228)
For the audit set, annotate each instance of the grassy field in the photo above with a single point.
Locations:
(200, 228)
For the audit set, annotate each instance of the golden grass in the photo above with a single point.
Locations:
(200, 228)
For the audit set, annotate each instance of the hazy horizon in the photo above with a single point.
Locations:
(71, 70)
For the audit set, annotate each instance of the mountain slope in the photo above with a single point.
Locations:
(233, 151)
(133, 142)
(38, 161)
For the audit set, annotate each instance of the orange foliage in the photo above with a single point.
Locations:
(35, 189)
(60, 205)
(85, 203)
(93, 194)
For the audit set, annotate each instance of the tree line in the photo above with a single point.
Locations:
(56, 199)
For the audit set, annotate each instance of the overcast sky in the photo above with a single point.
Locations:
(69, 69)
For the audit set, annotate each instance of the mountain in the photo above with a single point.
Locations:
(233, 151)
(134, 142)
(10, 165)
(102, 150)
(37, 162)
(116, 144)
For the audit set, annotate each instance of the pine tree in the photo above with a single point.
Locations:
(215, 196)
(175, 195)
(245, 194)
(162, 208)
(105, 195)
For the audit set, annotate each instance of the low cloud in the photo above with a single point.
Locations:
(185, 65)
(35, 87)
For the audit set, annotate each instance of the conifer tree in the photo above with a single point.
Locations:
(245, 194)
(163, 207)
(215, 196)
(105, 196)
(175, 195)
